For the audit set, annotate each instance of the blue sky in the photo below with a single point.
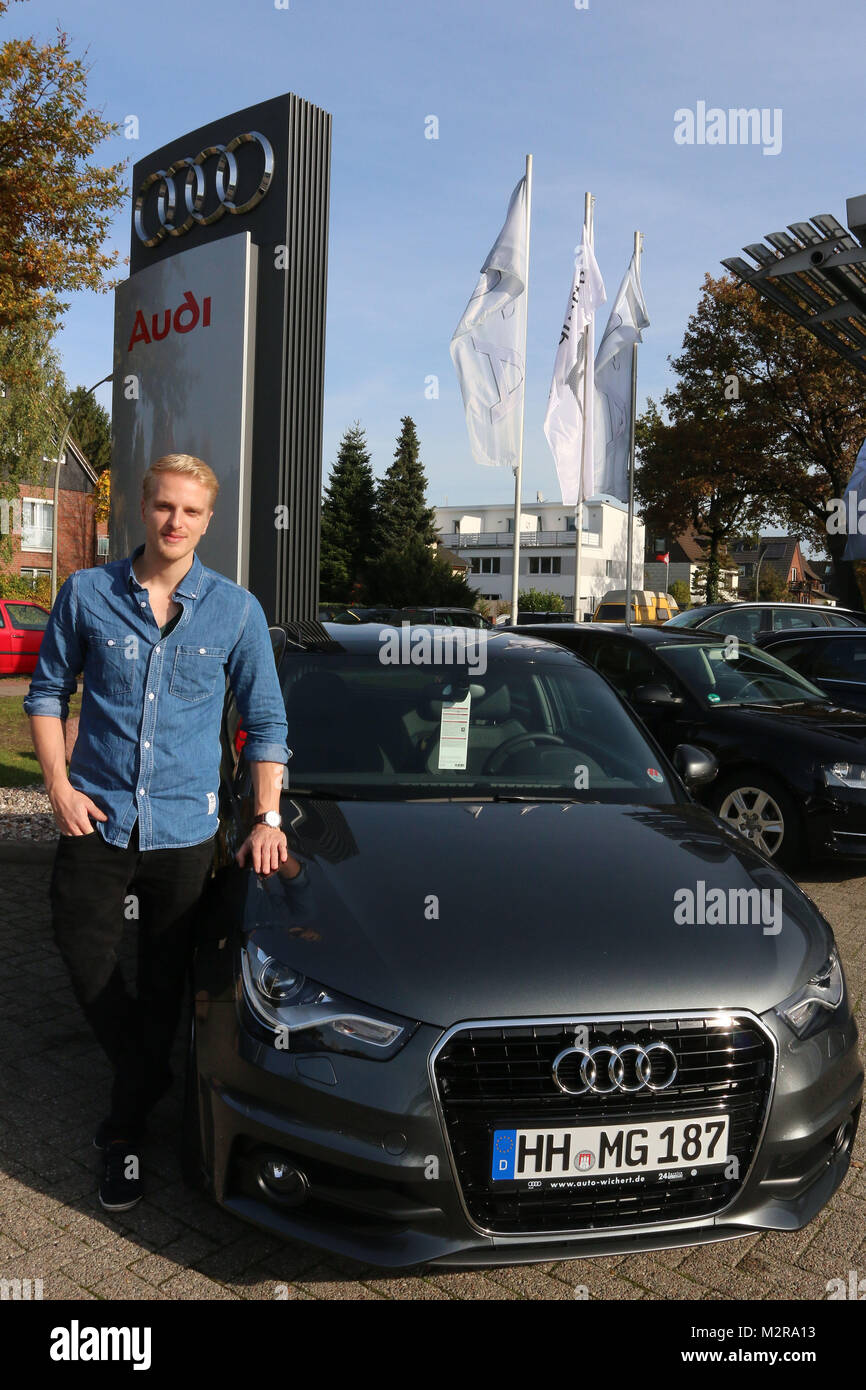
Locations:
(591, 93)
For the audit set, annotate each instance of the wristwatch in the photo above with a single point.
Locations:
(271, 818)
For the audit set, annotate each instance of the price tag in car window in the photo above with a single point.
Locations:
(454, 733)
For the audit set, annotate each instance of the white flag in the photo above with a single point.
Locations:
(489, 344)
(613, 368)
(564, 423)
(855, 493)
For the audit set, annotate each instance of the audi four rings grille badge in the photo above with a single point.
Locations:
(193, 183)
(628, 1067)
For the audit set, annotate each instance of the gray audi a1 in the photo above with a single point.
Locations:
(527, 1000)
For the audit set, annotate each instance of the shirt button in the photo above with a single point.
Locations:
(201, 651)
(143, 604)
(111, 641)
(147, 743)
(150, 696)
(156, 649)
(141, 791)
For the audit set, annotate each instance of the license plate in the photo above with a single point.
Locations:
(599, 1151)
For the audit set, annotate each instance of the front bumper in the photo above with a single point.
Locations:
(835, 820)
(380, 1182)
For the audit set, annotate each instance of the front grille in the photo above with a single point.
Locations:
(501, 1077)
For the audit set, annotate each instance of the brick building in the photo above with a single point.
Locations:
(81, 540)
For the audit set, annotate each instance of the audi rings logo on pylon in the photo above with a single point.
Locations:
(605, 1069)
(194, 187)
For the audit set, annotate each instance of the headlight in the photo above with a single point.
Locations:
(845, 775)
(305, 1016)
(806, 1010)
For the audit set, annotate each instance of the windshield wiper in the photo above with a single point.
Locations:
(515, 796)
(781, 704)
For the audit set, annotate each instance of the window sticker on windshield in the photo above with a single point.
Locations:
(454, 733)
(715, 698)
(654, 773)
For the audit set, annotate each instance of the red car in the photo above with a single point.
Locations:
(22, 624)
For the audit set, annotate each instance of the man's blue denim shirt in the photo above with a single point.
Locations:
(148, 741)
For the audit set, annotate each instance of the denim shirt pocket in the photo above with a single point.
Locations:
(109, 661)
(195, 672)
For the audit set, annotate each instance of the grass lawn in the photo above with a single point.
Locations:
(19, 766)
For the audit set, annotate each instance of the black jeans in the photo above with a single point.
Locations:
(95, 889)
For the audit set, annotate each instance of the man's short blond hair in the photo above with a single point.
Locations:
(188, 466)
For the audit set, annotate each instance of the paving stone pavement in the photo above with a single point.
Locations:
(178, 1245)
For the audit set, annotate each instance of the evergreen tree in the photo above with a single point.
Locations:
(416, 575)
(348, 512)
(91, 427)
(402, 514)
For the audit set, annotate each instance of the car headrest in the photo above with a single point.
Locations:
(487, 703)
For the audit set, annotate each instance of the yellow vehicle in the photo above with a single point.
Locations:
(647, 607)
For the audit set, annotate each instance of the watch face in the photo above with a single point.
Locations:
(273, 818)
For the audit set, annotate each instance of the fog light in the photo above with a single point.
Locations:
(282, 1179)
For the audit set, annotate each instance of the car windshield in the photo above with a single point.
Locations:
(540, 725)
(733, 673)
(689, 617)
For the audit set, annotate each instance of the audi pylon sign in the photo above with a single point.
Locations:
(220, 337)
(183, 352)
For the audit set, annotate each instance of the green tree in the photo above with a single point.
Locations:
(91, 428)
(402, 513)
(416, 575)
(679, 591)
(32, 391)
(703, 469)
(801, 405)
(56, 202)
(348, 517)
(537, 601)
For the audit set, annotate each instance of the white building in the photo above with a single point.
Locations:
(484, 536)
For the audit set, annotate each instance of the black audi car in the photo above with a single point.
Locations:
(792, 763)
(495, 1018)
(748, 621)
(834, 661)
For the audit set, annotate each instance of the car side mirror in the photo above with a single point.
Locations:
(695, 765)
(654, 693)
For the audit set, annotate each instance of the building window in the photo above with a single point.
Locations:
(488, 564)
(608, 569)
(32, 573)
(102, 545)
(545, 564)
(570, 524)
(36, 524)
(794, 574)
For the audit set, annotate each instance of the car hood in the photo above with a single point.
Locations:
(450, 911)
(825, 728)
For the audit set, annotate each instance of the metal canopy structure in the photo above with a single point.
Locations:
(816, 272)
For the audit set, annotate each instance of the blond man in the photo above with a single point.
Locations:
(156, 635)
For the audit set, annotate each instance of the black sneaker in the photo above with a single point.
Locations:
(121, 1186)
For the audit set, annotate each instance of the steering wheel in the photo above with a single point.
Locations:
(756, 682)
(499, 755)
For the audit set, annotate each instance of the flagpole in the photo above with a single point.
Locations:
(518, 472)
(638, 242)
(588, 202)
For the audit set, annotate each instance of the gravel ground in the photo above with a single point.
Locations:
(25, 814)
